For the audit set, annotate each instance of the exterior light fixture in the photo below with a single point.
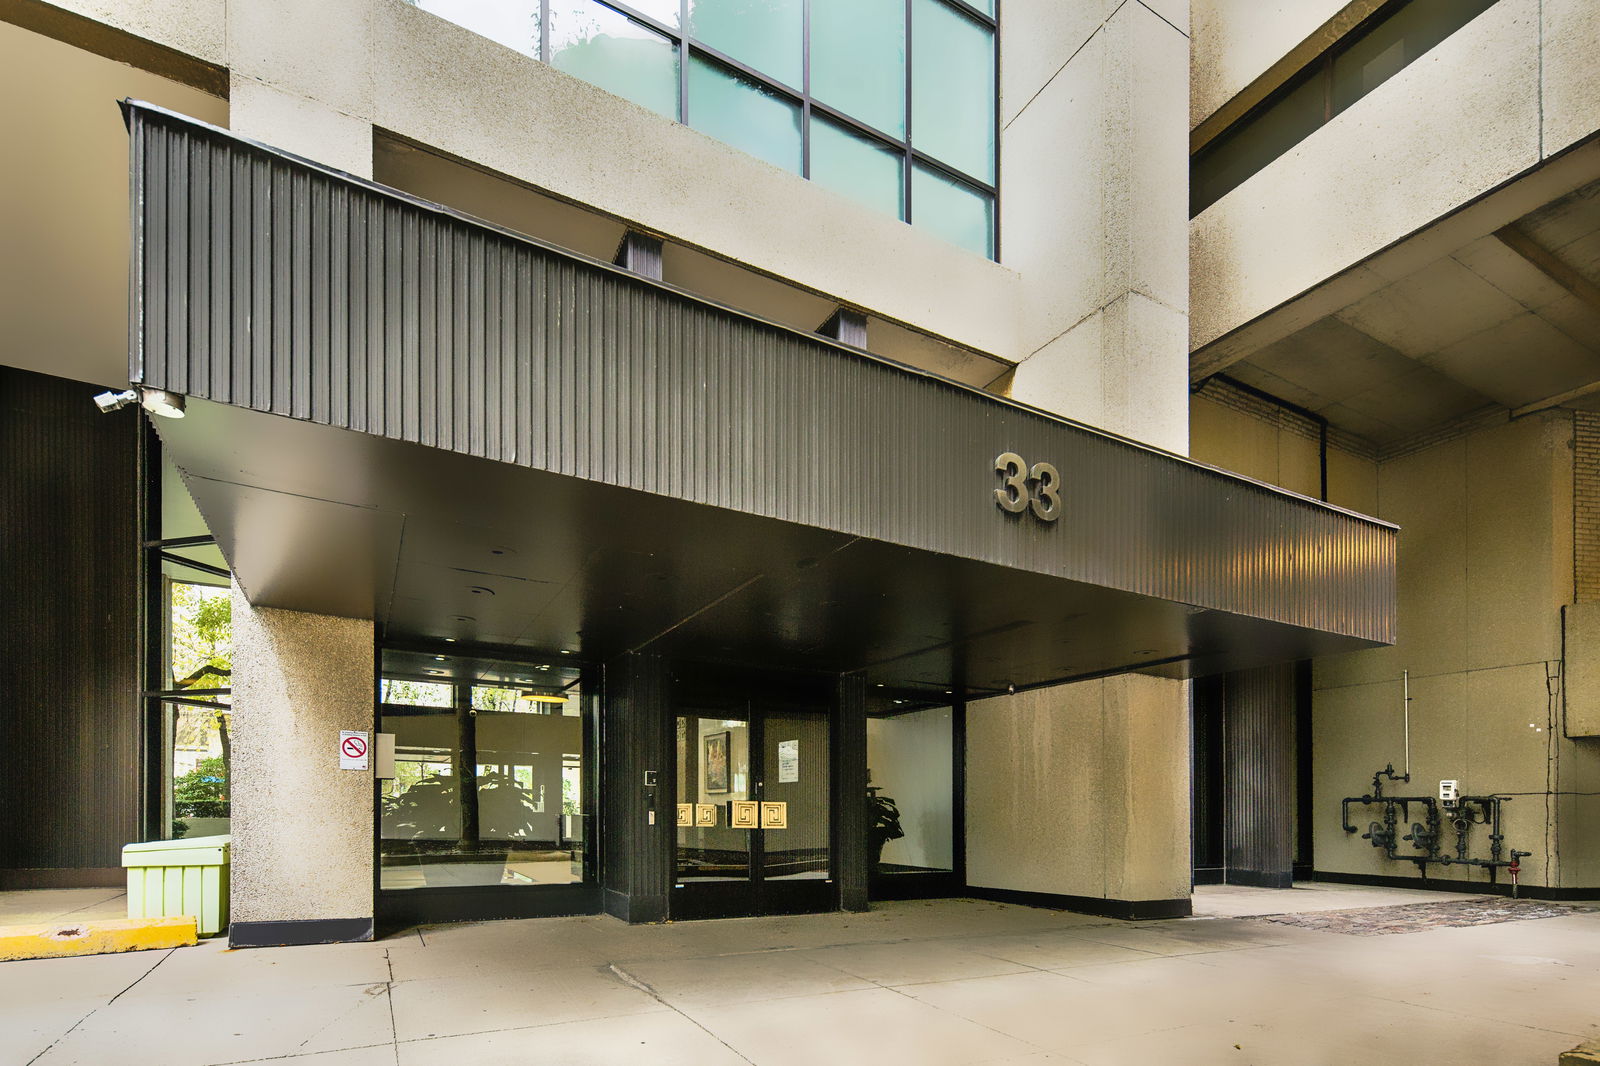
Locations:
(161, 402)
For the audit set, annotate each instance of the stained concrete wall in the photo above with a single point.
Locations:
(1237, 41)
(1081, 790)
(1497, 98)
(1485, 569)
(302, 827)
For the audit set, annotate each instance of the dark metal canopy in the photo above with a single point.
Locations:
(399, 412)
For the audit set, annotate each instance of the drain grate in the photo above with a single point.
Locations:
(1416, 917)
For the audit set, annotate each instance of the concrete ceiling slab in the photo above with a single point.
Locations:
(1333, 360)
(1518, 362)
(1490, 259)
(1432, 309)
(1421, 398)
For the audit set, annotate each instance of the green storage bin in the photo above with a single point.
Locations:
(171, 878)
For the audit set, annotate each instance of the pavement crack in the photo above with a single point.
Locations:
(164, 957)
(69, 1032)
(633, 982)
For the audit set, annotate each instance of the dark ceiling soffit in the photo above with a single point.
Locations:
(278, 285)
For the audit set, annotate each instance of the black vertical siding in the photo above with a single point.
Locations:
(635, 739)
(1206, 780)
(1259, 712)
(268, 283)
(850, 859)
(69, 567)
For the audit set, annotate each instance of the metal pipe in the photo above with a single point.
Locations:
(1405, 682)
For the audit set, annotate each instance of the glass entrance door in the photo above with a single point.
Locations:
(753, 821)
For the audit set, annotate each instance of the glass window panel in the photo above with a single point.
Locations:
(748, 116)
(911, 782)
(713, 761)
(1228, 162)
(489, 794)
(952, 92)
(1395, 43)
(958, 213)
(858, 60)
(418, 693)
(856, 165)
(514, 23)
(200, 769)
(608, 49)
(766, 35)
(666, 12)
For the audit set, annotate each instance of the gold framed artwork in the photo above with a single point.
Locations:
(774, 815)
(686, 814)
(705, 815)
(715, 761)
(742, 814)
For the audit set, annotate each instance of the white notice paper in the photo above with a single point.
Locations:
(788, 761)
(354, 751)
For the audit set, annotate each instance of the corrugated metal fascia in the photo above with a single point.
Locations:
(629, 381)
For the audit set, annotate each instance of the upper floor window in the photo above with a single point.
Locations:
(890, 102)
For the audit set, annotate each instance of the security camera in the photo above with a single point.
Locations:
(114, 401)
(156, 401)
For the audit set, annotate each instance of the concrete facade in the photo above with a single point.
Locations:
(302, 827)
(1367, 279)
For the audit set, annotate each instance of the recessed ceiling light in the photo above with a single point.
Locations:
(880, 684)
(449, 640)
(542, 666)
(524, 679)
(436, 671)
(564, 651)
(438, 658)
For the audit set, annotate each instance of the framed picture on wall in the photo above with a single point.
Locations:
(716, 761)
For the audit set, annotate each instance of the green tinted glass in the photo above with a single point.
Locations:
(514, 23)
(856, 165)
(959, 214)
(858, 60)
(766, 35)
(665, 12)
(599, 45)
(739, 112)
(952, 91)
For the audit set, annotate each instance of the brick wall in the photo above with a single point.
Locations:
(1586, 506)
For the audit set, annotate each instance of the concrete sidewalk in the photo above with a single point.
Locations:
(945, 982)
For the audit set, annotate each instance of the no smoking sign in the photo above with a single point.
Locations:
(353, 750)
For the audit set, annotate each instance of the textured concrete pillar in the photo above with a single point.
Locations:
(1079, 795)
(1094, 216)
(302, 827)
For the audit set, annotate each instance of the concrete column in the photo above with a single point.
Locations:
(1079, 795)
(1094, 210)
(302, 827)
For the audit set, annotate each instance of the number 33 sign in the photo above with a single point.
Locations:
(1016, 494)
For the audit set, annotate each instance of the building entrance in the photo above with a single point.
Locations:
(754, 826)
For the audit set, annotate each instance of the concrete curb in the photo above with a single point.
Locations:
(103, 937)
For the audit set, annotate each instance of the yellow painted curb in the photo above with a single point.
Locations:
(104, 937)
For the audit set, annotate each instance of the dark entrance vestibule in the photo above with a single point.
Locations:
(754, 832)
